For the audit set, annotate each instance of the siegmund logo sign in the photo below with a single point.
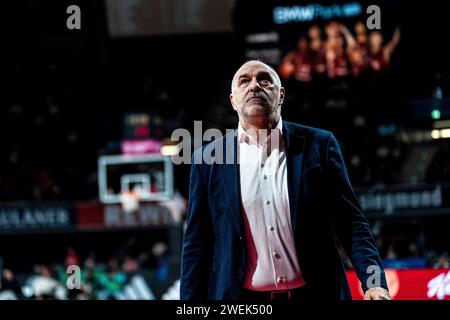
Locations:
(32, 217)
(403, 199)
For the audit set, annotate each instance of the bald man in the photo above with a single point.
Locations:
(263, 226)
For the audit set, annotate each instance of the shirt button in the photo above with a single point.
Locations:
(265, 177)
(272, 228)
(276, 255)
(268, 202)
(281, 279)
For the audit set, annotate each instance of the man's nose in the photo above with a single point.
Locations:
(254, 85)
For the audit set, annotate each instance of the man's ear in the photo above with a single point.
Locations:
(232, 101)
(282, 92)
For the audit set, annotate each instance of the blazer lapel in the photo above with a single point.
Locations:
(230, 175)
(294, 146)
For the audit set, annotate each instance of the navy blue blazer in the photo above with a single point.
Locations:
(323, 207)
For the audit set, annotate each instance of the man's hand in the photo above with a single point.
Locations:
(377, 293)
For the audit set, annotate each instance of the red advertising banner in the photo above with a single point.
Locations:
(414, 284)
(95, 215)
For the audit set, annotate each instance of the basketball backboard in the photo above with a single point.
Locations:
(150, 175)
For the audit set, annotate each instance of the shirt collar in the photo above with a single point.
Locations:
(244, 137)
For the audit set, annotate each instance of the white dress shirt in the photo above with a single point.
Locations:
(272, 258)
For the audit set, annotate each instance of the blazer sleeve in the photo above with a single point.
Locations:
(349, 222)
(198, 240)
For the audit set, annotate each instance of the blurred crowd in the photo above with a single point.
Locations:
(406, 254)
(338, 54)
(126, 278)
(120, 278)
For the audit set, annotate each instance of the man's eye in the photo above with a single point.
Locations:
(265, 82)
(244, 81)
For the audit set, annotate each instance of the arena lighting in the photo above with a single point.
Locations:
(440, 133)
(435, 114)
(445, 133)
(170, 150)
(435, 134)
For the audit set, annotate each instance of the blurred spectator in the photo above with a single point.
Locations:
(414, 250)
(379, 54)
(9, 288)
(43, 286)
(161, 252)
(317, 50)
(90, 262)
(45, 188)
(71, 258)
(130, 265)
(147, 260)
(442, 262)
(298, 63)
(361, 33)
(357, 49)
(391, 252)
(111, 281)
(334, 51)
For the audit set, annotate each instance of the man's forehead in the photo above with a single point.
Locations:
(253, 66)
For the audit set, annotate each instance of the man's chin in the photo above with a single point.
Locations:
(258, 110)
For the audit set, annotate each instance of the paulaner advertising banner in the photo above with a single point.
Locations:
(29, 217)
